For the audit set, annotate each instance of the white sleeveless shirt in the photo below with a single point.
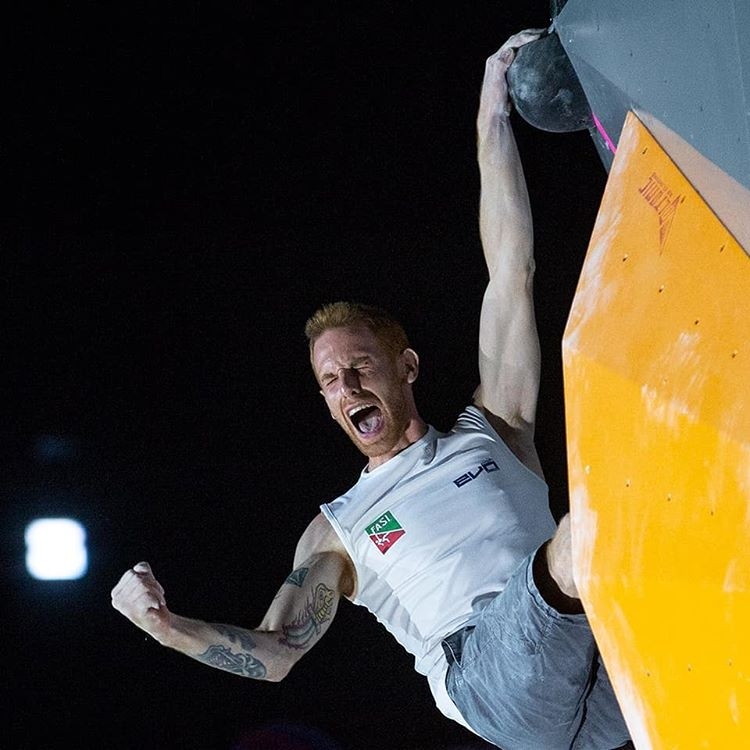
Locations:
(435, 533)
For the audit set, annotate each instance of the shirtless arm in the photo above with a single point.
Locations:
(297, 619)
(509, 356)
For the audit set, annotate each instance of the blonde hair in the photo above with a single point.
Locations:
(347, 314)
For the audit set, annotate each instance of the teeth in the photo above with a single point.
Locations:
(359, 408)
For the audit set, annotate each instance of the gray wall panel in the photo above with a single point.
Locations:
(686, 63)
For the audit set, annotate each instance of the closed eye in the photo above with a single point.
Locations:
(328, 380)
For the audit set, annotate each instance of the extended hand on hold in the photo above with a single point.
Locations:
(494, 98)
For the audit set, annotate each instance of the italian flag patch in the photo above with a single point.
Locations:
(385, 531)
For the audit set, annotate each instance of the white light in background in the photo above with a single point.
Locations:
(56, 549)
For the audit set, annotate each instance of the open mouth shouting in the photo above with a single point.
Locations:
(367, 419)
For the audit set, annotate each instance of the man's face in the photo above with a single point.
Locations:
(367, 389)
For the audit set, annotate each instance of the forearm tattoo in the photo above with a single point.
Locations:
(306, 625)
(241, 662)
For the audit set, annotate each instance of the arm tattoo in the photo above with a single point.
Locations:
(306, 625)
(297, 577)
(241, 662)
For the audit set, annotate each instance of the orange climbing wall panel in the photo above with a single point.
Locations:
(656, 357)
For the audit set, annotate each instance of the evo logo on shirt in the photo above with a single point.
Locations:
(385, 531)
(488, 466)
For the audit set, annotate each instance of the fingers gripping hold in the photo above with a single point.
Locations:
(523, 37)
(507, 53)
(494, 98)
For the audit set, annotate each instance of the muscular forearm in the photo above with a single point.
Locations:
(248, 653)
(262, 653)
(298, 617)
(265, 653)
(504, 213)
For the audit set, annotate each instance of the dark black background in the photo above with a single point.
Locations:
(186, 184)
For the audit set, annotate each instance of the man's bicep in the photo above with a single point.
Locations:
(306, 602)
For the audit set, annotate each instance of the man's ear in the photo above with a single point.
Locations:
(410, 361)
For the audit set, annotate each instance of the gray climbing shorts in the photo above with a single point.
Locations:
(526, 677)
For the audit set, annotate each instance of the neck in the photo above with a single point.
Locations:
(415, 430)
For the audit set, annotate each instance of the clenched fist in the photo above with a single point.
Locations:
(140, 597)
